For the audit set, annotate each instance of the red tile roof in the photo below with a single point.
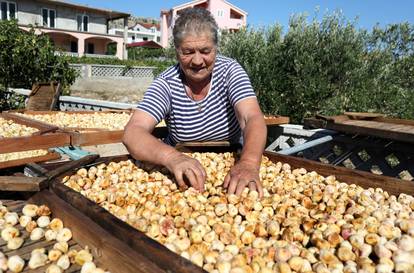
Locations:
(146, 44)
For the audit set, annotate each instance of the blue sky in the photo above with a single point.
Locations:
(266, 12)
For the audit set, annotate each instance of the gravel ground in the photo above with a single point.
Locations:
(126, 97)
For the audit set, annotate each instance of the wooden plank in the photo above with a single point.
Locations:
(94, 138)
(112, 254)
(409, 122)
(137, 240)
(23, 161)
(31, 112)
(17, 144)
(363, 115)
(71, 165)
(332, 118)
(106, 136)
(382, 133)
(314, 123)
(276, 120)
(204, 143)
(364, 179)
(22, 183)
(381, 125)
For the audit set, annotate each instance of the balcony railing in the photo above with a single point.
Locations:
(66, 53)
(100, 56)
(75, 54)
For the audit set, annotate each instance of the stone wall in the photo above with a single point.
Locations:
(121, 89)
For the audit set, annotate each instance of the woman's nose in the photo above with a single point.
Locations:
(197, 59)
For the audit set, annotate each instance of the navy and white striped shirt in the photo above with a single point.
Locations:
(167, 99)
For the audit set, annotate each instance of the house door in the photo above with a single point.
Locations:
(73, 46)
(91, 48)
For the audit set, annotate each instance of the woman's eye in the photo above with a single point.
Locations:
(187, 52)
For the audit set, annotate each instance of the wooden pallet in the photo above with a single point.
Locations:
(46, 137)
(108, 252)
(171, 261)
(370, 124)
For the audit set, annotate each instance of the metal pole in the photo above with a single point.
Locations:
(306, 145)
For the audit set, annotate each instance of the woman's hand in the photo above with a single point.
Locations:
(183, 166)
(243, 174)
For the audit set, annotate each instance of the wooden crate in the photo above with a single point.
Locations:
(364, 179)
(89, 136)
(46, 137)
(82, 136)
(169, 260)
(108, 252)
(44, 96)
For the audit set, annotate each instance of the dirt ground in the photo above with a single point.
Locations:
(125, 97)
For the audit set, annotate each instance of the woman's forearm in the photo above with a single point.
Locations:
(254, 135)
(144, 146)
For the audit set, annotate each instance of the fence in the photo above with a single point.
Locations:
(70, 103)
(113, 71)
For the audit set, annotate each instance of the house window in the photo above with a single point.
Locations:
(145, 38)
(83, 22)
(8, 10)
(49, 17)
(220, 13)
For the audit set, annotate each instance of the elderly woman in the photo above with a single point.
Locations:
(205, 97)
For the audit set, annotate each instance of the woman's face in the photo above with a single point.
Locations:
(196, 55)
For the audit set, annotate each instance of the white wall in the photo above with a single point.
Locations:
(30, 12)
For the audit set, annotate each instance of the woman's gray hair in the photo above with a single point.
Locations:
(193, 21)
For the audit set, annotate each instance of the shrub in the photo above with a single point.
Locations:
(26, 58)
(327, 67)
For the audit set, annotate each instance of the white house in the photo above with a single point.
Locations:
(140, 32)
(76, 29)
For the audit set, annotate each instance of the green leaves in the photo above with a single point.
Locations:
(327, 66)
(26, 58)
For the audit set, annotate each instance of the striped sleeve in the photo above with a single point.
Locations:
(156, 101)
(239, 84)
